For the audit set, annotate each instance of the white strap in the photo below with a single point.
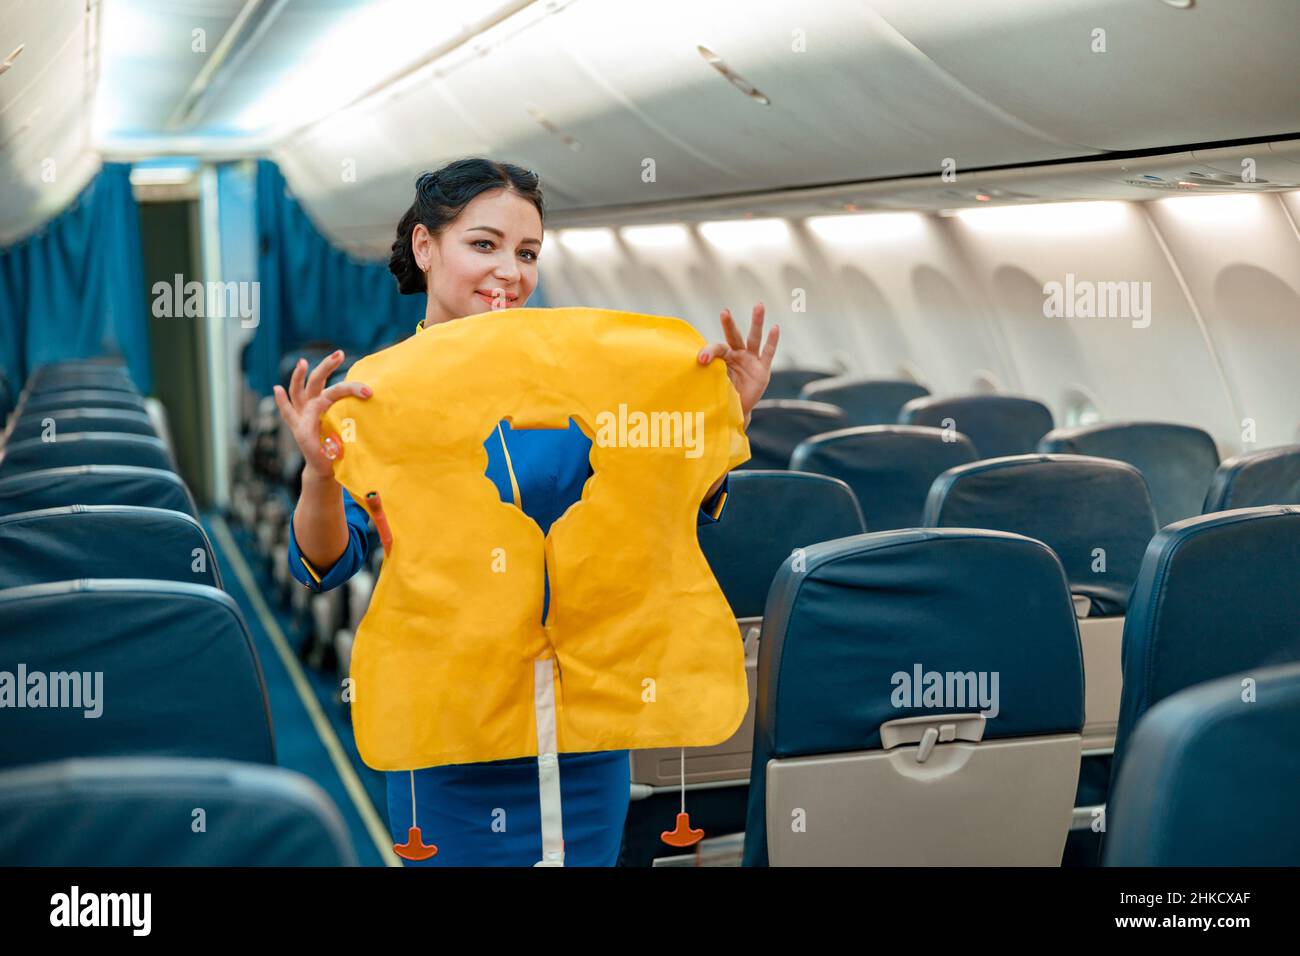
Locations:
(548, 764)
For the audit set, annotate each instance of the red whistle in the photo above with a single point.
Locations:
(415, 848)
(683, 835)
(376, 506)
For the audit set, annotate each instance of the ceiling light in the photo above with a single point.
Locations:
(879, 225)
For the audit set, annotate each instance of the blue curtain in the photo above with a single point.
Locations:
(311, 290)
(75, 289)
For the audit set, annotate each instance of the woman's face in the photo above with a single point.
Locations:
(493, 244)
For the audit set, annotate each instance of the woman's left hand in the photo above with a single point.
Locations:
(747, 367)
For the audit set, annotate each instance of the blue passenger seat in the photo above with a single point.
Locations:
(109, 541)
(857, 762)
(865, 400)
(143, 668)
(1210, 778)
(132, 811)
(1177, 461)
(998, 425)
(889, 467)
(1270, 476)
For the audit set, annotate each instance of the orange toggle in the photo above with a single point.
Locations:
(376, 505)
(415, 848)
(683, 835)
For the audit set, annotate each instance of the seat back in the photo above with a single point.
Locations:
(865, 400)
(889, 467)
(903, 677)
(789, 382)
(1177, 461)
(776, 428)
(95, 485)
(85, 398)
(1216, 595)
(131, 667)
(132, 811)
(84, 448)
(1270, 476)
(53, 378)
(112, 541)
(998, 425)
(1211, 777)
(1095, 514)
(56, 423)
(769, 514)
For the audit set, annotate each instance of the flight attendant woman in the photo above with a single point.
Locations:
(470, 243)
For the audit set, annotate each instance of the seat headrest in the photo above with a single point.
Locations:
(998, 425)
(127, 811)
(1211, 777)
(1216, 595)
(169, 668)
(1177, 461)
(889, 467)
(69, 421)
(1095, 513)
(865, 400)
(84, 448)
(788, 382)
(1270, 476)
(777, 426)
(768, 515)
(115, 541)
(95, 485)
(846, 635)
(85, 398)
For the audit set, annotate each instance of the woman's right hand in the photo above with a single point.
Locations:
(304, 405)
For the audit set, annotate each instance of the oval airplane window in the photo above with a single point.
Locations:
(1080, 409)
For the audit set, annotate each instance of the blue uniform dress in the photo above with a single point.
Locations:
(488, 814)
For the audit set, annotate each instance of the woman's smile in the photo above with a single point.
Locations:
(489, 298)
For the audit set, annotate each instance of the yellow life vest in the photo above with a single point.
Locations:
(643, 644)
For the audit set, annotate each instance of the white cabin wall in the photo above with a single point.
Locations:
(1240, 257)
(957, 302)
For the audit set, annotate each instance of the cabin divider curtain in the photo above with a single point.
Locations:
(75, 288)
(313, 291)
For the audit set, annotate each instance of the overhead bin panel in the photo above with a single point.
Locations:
(1213, 71)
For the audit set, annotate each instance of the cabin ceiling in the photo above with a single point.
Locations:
(355, 98)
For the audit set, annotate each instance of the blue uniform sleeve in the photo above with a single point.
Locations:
(349, 562)
(711, 510)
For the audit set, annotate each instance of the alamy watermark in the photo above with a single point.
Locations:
(83, 690)
(1084, 299)
(949, 690)
(637, 429)
(217, 300)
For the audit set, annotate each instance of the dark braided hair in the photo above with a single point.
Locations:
(439, 199)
